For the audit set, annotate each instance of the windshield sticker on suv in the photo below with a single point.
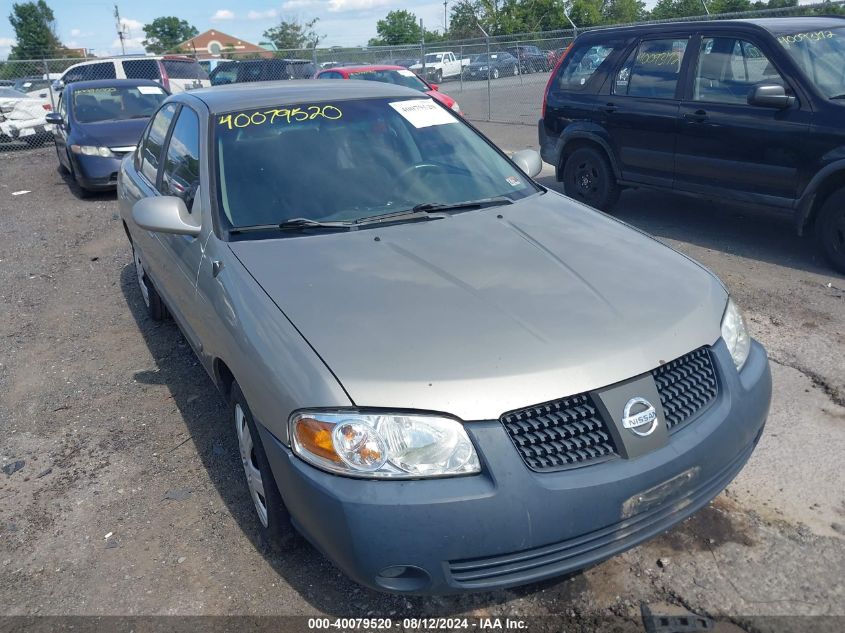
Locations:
(422, 112)
(282, 115)
(811, 36)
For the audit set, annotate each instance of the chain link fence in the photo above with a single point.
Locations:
(498, 79)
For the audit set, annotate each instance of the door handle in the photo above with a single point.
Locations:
(609, 107)
(699, 116)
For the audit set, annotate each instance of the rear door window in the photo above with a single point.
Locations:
(582, 63)
(728, 68)
(150, 152)
(141, 69)
(652, 69)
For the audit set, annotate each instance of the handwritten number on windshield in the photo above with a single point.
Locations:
(285, 115)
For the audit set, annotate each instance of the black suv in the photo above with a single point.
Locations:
(748, 111)
(234, 72)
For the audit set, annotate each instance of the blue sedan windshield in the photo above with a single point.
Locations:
(350, 160)
(112, 103)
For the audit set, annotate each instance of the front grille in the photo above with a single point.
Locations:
(687, 386)
(561, 434)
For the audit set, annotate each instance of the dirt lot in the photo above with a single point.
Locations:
(130, 498)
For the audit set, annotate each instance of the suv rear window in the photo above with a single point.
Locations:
(582, 63)
(141, 69)
(179, 69)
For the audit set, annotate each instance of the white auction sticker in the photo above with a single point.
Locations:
(150, 90)
(406, 73)
(423, 112)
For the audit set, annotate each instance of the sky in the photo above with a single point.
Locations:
(91, 24)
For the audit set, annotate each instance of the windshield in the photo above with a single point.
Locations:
(92, 105)
(434, 57)
(398, 77)
(821, 55)
(350, 160)
(484, 58)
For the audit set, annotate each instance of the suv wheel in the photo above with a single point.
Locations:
(588, 178)
(270, 510)
(830, 230)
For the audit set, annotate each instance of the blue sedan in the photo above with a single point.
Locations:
(97, 123)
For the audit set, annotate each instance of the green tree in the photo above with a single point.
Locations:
(166, 33)
(585, 13)
(397, 27)
(729, 6)
(294, 34)
(35, 31)
(676, 9)
(463, 20)
(623, 11)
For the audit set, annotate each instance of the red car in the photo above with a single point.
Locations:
(390, 75)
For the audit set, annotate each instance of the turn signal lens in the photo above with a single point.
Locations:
(315, 437)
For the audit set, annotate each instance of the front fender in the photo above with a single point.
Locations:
(804, 205)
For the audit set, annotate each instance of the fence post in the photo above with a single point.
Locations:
(489, 91)
(461, 58)
(50, 86)
(519, 63)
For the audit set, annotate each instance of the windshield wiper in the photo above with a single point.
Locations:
(434, 210)
(294, 224)
(837, 97)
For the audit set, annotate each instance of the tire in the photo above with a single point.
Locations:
(155, 306)
(588, 178)
(829, 230)
(495, 73)
(438, 77)
(273, 517)
(64, 171)
(515, 70)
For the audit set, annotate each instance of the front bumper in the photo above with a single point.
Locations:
(509, 525)
(96, 172)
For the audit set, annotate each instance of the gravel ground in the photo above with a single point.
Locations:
(130, 501)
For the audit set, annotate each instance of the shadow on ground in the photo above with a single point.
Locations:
(760, 234)
(302, 567)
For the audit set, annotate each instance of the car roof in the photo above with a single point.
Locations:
(362, 68)
(773, 25)
(111, 83)
(265, 94)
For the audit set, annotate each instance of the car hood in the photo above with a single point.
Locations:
(491, 310)
(110, 133)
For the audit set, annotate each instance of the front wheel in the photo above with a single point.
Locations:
(438, 77)
(495, 73)
(273, 516)
(830, 230)
(155, 306)
(515, 70)
(588, 178)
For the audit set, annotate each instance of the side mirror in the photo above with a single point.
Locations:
(529, 161)
(164, 214)
(58, 85)
(434, 87)
(55, 118)
(770, 96)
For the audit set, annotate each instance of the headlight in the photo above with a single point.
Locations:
(91, 150)
(385, 446)
(456, 107)
(735, 334)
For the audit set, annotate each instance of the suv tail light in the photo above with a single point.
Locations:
(165, 80)
(554, 74)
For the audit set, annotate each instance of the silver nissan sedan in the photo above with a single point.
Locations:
(445, 376)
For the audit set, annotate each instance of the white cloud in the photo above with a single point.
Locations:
(298, 4)
(132, 25)
(223, 14)
(6, 42)
(355, 5)
(75, 32)
(269, 14)
(132, 45)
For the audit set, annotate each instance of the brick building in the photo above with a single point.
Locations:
(213, 44)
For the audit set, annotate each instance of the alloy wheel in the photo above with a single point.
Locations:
(251, 470)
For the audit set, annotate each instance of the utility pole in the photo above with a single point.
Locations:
(445, 18)
(120, 32)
